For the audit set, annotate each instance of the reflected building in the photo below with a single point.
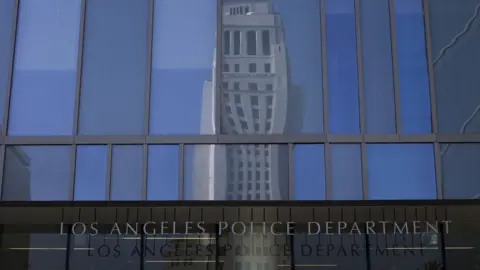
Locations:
(18, 168)
(257, 98)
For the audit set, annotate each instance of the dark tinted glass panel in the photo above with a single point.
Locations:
(455, 37)
(182, 94)
(112, 100)
(44, 78)
(401, 171)
(36, 251)
(289, 91)
(346, 172)
(170, 253)
(162, 179)
(6, 21)
(309, 172)
(91, 172)
(462, 243)
(337, 251)
(105, 251)
(254, 252)
(342, 66)
(36, 173)
(236, 172)
(460, 171)
(412, 67)
(126, 177)
(404, 251)
(377, 67)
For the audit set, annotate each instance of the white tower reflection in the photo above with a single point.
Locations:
(257, 99)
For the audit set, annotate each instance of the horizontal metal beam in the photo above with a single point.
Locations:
(216, 211)
(244, 139)
(246, 203)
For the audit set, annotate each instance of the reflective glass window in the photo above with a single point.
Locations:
(342, 66)
(223, 172)
(162, 178)
(6, 26)
(414, 93)
(182, 94)
(126, 176)
(460, 170)
(377, 67)
(346, 172)
(309, 172)
(36, 173)
(290, 34)
(455, 39)
(400, 171)
(112, 100)
(44, 76)
(91, 172)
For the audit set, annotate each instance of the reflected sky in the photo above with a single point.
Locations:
(179, 69)
(400, 171)
(183, 54)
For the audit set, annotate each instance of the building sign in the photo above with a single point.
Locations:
(99, 236)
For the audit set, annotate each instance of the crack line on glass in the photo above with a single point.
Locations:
(467, 27)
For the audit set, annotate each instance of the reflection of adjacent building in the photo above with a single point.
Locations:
(18, 165)
(257, 98)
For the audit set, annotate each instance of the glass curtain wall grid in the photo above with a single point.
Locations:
(338, 106)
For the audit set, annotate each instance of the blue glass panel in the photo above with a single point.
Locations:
(183, 49)
(342, 66)
(44, 77)
(309, 172)
(302, 37)
(379, 102)
(412, 67)
(162, 179)
(6, 21)
(455, 39)
(112, 100)
(37, 173)
(401, 171)
(460, 171)
(127, 169)
(91, 172)
(346, 172)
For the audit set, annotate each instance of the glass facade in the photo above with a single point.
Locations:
(245, 100)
